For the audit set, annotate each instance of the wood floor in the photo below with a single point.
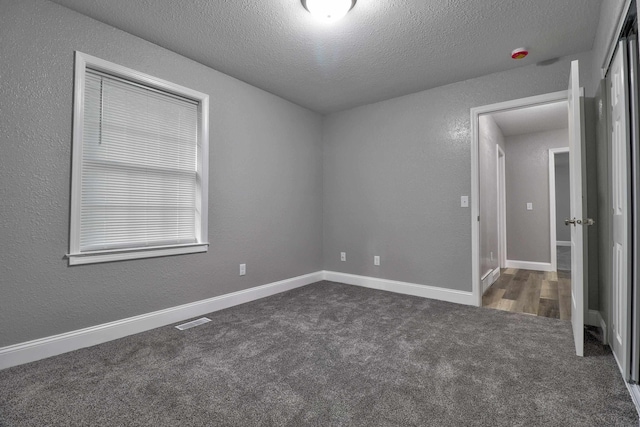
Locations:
(536, 293)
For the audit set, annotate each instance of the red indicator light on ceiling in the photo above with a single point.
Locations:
(519, 53)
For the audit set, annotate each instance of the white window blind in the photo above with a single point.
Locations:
(139, 166)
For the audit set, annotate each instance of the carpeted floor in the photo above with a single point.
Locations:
(329, 355)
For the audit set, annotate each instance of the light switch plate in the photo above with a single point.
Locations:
(529, 206)
(464, 201)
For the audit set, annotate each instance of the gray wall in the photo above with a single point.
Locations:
(563, 201)
(394, 172)
(527, 180)
(490, 136)
(265, 182)
(590, 181)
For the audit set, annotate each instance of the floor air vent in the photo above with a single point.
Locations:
(193, 323)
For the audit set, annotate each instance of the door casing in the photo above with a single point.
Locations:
(547, 98)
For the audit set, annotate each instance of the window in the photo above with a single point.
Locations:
(140, 158)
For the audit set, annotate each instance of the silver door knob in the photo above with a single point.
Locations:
(586, 221)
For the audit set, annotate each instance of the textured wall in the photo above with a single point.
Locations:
(563, 205)
(490, 136)
(527, 181)
(590, 181)
(265, 182)
(394, 172)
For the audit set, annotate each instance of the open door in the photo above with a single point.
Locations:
(576, 136)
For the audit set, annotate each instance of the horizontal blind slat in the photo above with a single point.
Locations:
(139, 167)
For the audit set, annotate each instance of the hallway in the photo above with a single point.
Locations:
(546, 294)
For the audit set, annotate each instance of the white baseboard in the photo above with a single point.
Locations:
(30, 351)
(562, 243)
(489, 279)
(529, 265)
(425, 291)
(486, 280)
(495, 276)
(594, 318)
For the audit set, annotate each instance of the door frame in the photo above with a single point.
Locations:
(475, 173)
(552, 205)
(502, 207)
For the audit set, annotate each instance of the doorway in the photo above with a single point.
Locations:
(518, 149)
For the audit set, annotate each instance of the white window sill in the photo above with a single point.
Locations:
(136, 253)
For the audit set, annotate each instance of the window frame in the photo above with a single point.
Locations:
(83, 62)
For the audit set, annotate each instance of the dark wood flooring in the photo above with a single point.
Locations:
(536, 293)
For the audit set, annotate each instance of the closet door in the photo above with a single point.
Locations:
(618, 79)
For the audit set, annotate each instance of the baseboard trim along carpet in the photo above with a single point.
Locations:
(529, 265)
(42, 348)
(425, 291)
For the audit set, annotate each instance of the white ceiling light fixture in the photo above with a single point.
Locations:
(328, 10)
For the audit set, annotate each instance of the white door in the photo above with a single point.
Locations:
(577, 229)
(619, 174)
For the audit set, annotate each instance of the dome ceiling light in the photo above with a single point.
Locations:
(328, 10)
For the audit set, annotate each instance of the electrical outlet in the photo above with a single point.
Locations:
(376, 260)
(243, 269)
(529, 206)
(343, 256)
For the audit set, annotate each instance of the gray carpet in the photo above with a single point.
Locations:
(329, 355)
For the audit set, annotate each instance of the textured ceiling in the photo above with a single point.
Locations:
(533, 119)
(381, 49)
